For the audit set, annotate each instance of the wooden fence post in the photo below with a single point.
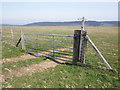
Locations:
(99, 53)
(12, 35)
(76, 46)
(0, 34)
(80, 43)
(22, 40)
(83, 45)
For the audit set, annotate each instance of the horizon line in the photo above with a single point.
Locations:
(59, 21)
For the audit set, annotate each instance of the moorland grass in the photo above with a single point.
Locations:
(9, 51)
(19, 64)
(65, 76)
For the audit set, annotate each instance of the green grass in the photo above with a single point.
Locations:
(65, 76)
(0, 50)
(18, 64)
(9, 51)
(106, 40)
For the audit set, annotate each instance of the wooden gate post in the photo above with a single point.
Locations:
(22, 40)
(83, 45)
(80, 43)
(76, 46)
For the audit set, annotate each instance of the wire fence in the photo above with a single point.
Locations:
(10, 36)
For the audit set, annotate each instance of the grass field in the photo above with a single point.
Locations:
(9, 51)
(65, 76)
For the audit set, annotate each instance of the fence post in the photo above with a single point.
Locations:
(76, 46)
(99, 53)
(0, 34)
(12, 35)
(80, 43)
(22, 40)
(83, 45)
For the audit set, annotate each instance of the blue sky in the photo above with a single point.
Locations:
(27, 12)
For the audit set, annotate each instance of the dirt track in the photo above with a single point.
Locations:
(23, 57)
(31, 68)
(28, 56)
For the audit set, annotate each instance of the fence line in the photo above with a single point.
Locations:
(10, 36)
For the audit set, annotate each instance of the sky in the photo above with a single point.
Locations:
(28, 12)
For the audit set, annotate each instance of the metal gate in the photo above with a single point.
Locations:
(53, 46)
(60, 47)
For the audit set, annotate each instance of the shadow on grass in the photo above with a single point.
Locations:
(83, 65)
(78, 64)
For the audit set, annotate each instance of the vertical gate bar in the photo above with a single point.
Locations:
(53, 46)
(37, 44)
(24, 39)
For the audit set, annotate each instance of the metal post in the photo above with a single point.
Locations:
(53, 46)
(83, 23)
(37, 46)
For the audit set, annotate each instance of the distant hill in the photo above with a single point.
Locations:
(8, 25)
(71, 23)
(74, 23)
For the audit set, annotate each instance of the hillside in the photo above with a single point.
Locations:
(71, 23)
